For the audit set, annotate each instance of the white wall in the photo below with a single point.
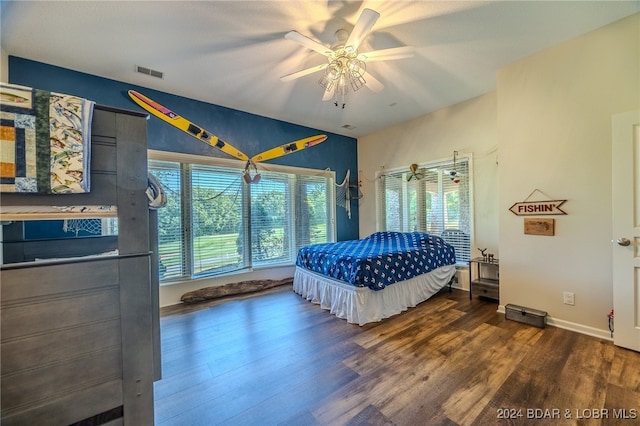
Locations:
(554, 126)
(548, 126)
(468, 127)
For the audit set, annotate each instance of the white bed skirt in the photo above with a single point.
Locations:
(361, 305)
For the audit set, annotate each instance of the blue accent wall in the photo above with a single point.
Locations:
(250, 133)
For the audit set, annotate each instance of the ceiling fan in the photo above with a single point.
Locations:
(346, 67)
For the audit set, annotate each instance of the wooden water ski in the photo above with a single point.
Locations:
(185, 125)
(289, 148)
(209, 138)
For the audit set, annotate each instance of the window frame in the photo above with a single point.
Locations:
(439, 163)
(191, 159)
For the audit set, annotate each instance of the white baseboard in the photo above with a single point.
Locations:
(572, 326)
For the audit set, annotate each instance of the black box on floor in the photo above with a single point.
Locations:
(526, 315)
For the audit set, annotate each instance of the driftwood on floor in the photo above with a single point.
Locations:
(231, 289)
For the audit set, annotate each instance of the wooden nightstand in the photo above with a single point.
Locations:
(486, 281)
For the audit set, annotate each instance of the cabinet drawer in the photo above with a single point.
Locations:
(485, 289)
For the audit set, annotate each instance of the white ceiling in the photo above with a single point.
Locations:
(233, 53)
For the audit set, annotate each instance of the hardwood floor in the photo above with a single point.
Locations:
(276, 359)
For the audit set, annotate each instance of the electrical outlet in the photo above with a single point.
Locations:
(569, 298)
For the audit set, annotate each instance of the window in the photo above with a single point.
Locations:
(429, 201)
(215, 223)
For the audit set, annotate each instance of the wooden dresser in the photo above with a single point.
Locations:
(80, 335)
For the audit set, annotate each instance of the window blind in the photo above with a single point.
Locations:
(170, 229)
(289, 211)
(218, 231)
(315, 198)
(429, 200)
(215, 223)
(271, 232)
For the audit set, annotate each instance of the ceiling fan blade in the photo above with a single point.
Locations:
(304, 72)
(372, 83)
(307, 42)
(362, 28)
(387, 54)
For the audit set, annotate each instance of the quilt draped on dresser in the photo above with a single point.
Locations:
(44, 141)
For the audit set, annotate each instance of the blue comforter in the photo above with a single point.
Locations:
(378, 260)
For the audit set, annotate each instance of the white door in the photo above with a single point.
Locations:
(625, 194)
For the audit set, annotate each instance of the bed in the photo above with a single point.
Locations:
(376, 277)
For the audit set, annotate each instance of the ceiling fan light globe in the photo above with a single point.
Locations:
(334, 70)
(356, 67)
(357, 82)
(342, 89)
(324, 81)
(327, 84)
(330, 76)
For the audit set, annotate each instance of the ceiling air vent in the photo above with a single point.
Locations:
(348, 127)
(149, 71)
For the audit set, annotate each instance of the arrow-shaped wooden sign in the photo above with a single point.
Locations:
(537, 208)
